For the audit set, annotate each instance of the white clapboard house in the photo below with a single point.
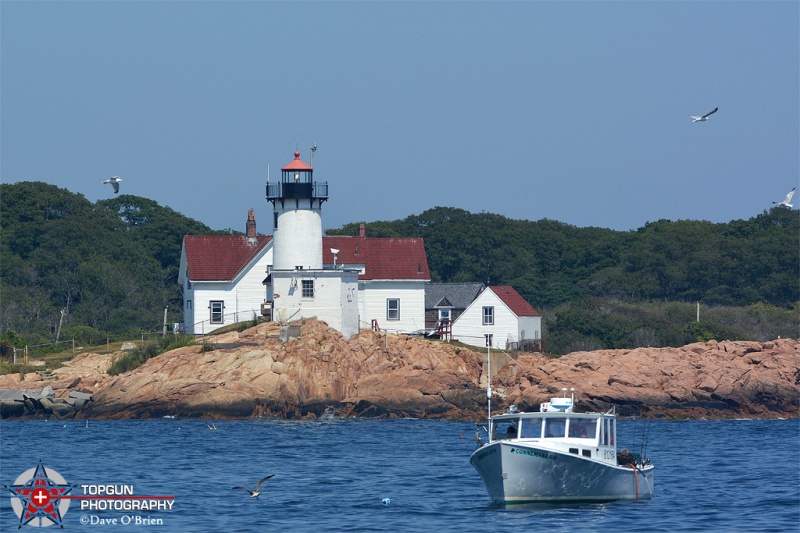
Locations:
(500, 315)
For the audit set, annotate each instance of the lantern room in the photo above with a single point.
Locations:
(297, 182)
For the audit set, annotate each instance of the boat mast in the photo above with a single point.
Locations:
(489, 381)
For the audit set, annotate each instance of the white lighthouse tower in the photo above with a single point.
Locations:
(297, 208)
(297, 285)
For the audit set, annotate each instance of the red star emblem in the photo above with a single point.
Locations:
(40, 497)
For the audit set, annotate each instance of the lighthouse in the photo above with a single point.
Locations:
(298, 286)
(297, 210)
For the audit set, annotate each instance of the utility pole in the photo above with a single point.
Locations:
(60, 322)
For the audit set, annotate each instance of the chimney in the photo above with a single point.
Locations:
(251, 224)
(362, 230)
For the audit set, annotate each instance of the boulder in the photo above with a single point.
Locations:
(11, 409)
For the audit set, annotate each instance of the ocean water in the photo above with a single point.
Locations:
(394, 475)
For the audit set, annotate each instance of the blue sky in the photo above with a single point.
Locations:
(571, 111)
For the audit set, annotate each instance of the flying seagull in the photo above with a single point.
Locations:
(703, 118)
(114, 183)
(786, 200)
(255, 493)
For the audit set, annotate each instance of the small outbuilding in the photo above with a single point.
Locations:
(501, 317)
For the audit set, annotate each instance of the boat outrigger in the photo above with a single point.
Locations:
(558, 455)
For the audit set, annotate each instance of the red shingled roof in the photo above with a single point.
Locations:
(220, 257)
(514, 301)
(297, 164)
(383, 258)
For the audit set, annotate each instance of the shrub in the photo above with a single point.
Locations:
(134, 358)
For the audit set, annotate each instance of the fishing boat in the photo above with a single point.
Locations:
(558, 455)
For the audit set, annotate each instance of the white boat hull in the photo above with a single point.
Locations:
(516, 473)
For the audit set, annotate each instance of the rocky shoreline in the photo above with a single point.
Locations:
(256, 373)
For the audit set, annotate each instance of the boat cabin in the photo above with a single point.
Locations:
(557, 427)
(589, 426)
(587, 434)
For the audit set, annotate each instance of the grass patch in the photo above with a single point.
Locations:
(22, 369)
(132, 359)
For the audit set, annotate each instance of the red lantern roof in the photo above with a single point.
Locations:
(297, 164)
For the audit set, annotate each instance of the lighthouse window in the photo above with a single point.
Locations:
(392, 309)
(308, 288)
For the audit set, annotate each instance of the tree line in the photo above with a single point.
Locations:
(112, 268)
(599, 288)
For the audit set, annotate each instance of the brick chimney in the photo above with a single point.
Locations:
(251, 224)
(362, 230)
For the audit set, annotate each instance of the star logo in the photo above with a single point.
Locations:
(38, 497)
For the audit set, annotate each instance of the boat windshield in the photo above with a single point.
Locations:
(555, 427)
(583, 428)
(507, 429)
(531, 428)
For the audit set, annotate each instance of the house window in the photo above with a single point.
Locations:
(488, 337)
(444, 314)
(393, 309)
(217, 311)
(488, 316)
(308, 288)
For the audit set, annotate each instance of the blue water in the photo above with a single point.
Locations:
(333, 475)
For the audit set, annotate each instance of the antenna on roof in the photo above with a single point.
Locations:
(313, 149)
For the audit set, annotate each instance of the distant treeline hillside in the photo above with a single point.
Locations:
(600, 288)
(112, 267)
(739, 263)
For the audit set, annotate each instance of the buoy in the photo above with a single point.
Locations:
(386, 501)
(460, 435)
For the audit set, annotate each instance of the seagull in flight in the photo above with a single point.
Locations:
(114, 183)
(786, 200)
(703, 118)
(255, 493)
